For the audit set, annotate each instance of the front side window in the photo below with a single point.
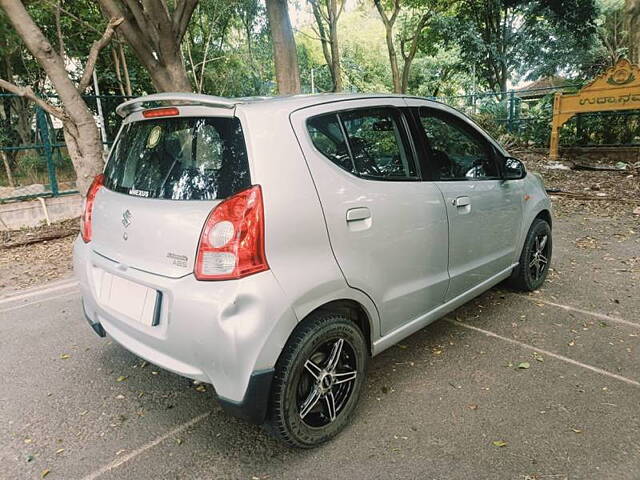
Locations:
(179, 158)
(457, 153)
(375, 146)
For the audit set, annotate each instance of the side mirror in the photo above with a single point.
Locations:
(514, 169)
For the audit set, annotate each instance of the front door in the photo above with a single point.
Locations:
(388, 230)
(484, 211)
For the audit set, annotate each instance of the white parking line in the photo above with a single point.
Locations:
(557, 356)
(42, 300)
(601, 316)
(125, 458)
(40, 291)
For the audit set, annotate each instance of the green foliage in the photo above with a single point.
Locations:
(365, 65)
(611, 40)
(465, 46)
(529, 38)
(233, 41)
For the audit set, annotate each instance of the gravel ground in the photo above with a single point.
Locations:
(35, 264)
(542, 386)
(509, 387)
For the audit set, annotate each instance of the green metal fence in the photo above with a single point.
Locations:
(524, 117)
(35, 163)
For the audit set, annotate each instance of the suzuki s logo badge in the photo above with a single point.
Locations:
(127, 218)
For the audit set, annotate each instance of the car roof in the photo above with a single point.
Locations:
(287, 102)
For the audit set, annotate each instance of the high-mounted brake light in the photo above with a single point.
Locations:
(86, 228)
(161, 112)
(232, 241)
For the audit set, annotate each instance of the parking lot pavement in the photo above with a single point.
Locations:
(453, 401)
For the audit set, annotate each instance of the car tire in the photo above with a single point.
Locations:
(535, 258)
(314, 391)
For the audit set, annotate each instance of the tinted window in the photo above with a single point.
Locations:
(326, 135)
(457, 153)
(181, 158)
(377, 145)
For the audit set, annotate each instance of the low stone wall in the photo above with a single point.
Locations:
(611, 155)
(602, 154)
(31, 213)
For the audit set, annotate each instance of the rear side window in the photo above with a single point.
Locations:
(181, 158)
(326, 135)
(375, 146)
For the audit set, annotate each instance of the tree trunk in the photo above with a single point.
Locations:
(7, 169)
(324, 39)
(81, 131)
(406, 69)
(284, 48)
(393, 60)
(116, 67)
(632, 25)
(388, 28)
(329, 40)
(504, 78)
(413, 49)
(24, 116)
(85, 149)
(155, 32)
(125, 68)
(335, 49)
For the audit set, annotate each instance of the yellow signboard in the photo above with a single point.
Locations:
(616, 89)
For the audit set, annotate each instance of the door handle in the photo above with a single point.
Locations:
(461, 202)
(360, 213)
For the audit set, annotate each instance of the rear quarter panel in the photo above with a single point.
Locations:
(296, 238)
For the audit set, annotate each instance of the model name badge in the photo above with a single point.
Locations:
(138, 193)
(178, 260)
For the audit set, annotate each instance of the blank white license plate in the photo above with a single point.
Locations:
(127, 298)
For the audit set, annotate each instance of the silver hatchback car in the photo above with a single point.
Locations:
(270, 247)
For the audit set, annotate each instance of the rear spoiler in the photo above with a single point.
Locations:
(137, 104)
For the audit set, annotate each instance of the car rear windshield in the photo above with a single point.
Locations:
(181, 158)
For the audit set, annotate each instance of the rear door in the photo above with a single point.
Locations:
(484, 211)
(162, 179)
(388, 230)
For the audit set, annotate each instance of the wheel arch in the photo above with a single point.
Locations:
(354, 310)
(545, 215)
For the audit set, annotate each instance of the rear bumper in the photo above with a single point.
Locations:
(227, 333)
(253, 407)
(96, 326)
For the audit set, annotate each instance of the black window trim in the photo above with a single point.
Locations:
(405, 134)
(467, 127)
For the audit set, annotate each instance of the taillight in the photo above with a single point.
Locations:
(232, 240)
(87, 215)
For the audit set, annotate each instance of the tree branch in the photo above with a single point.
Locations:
(340, 9)
(137, 12)
(181, 16)
(59, 29)
(95, 51)
(396, 11)
(76, 18)
(381, 11)
(132, 33)
(27, 92)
